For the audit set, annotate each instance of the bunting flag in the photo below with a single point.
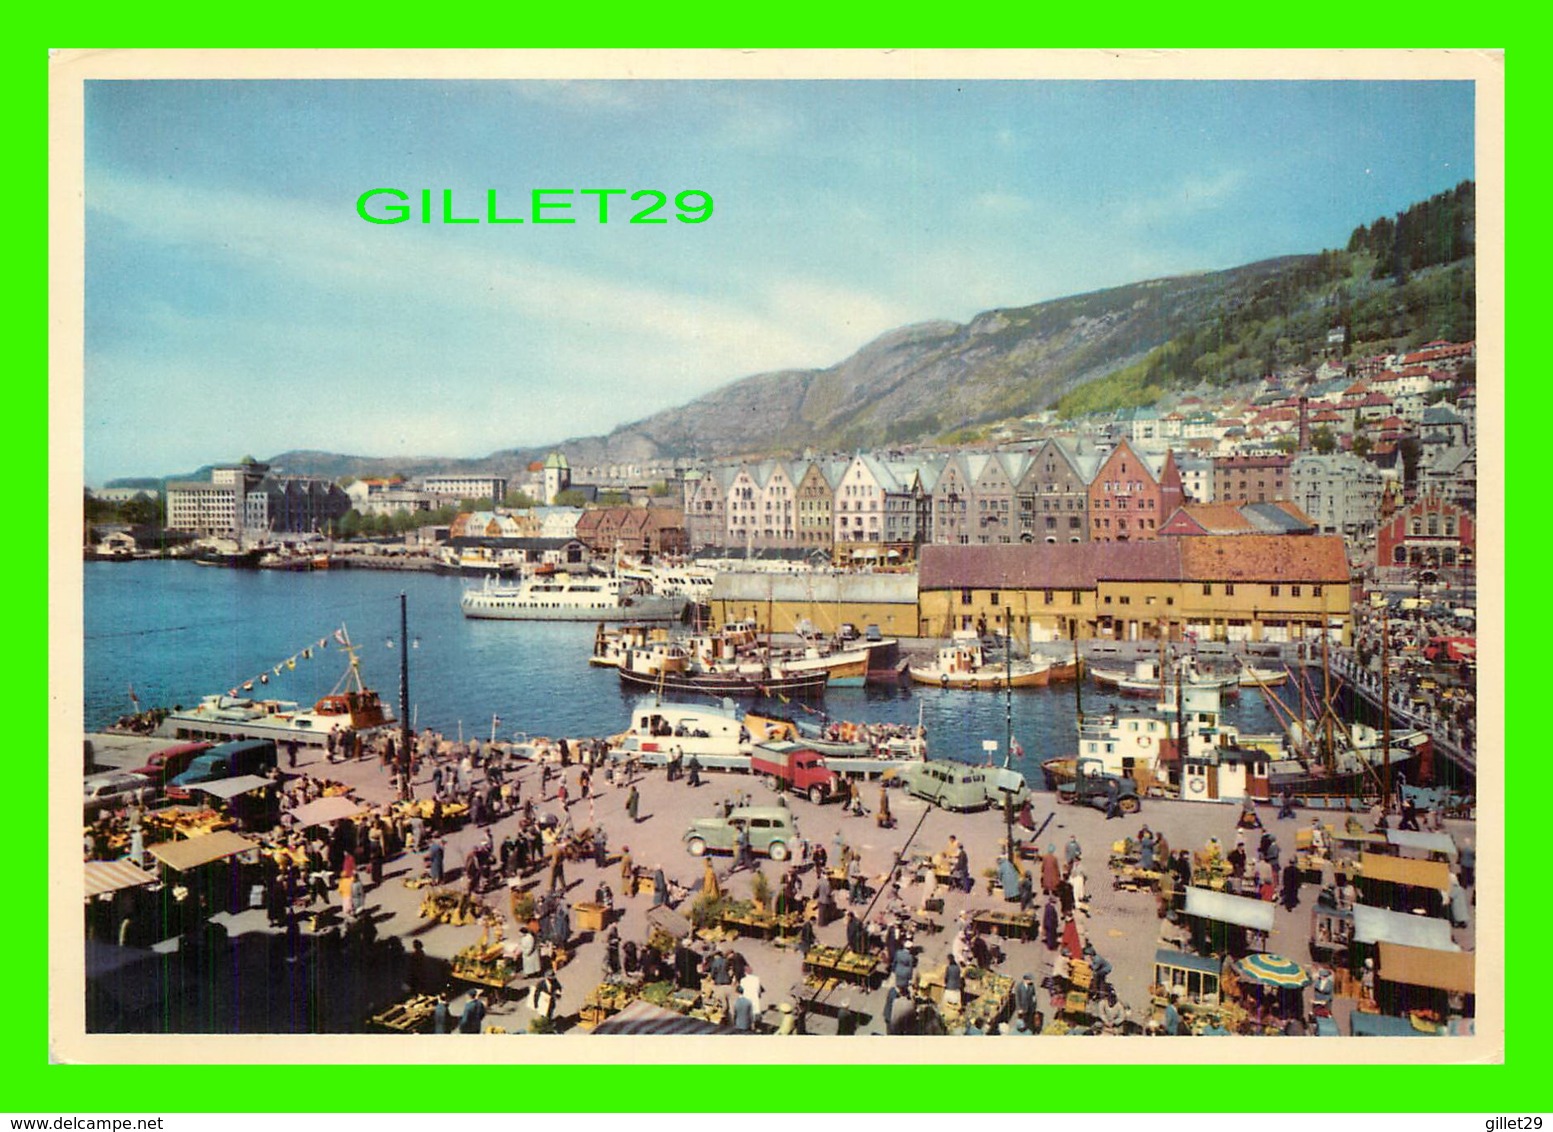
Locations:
(323, 642)
(339, 635)
(248, 685)
(264, 677)
(291, 664)
(1017, 749)
(232, 692)
(276, 670)
(307, 654)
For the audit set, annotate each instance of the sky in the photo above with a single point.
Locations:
(237, 304)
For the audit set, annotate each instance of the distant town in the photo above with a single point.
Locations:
(1373, 456)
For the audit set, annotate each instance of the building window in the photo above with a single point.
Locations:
(1074, 597)
(1315, 591)
(1274, 590)
(965, 597)
(1229, 589)
(1046, 597)
(1294, 591)
(1124, 600)
(1207, 589)
(995, 598)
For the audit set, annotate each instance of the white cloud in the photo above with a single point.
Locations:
(1190, 196)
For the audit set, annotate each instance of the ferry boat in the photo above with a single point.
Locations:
(560, 597)
(351, 706)
(962, 665)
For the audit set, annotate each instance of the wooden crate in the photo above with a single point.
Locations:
(591, 917)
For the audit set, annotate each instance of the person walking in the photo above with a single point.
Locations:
(660, 888)
(633, 802)
(694, 767)
(474, 1013)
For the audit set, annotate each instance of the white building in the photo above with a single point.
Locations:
(1340, 492)
(473, 486)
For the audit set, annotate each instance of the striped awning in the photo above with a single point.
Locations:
(642, 1017)
(110, 876)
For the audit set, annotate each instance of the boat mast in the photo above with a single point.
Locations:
(405, 788)
(1008, 685)
(1078, 678)
(1326, 697)
(1385, 709)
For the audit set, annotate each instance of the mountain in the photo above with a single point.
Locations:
(1399, 282)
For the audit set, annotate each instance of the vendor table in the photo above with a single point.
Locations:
(1019, 925)
(1132, 878)
(763, 925)
(406, 1017)
(843, 966)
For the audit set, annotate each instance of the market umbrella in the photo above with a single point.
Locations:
(1268, 970)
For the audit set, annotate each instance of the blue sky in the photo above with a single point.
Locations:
(237, 304)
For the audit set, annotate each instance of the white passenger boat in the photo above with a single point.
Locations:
(560, 597)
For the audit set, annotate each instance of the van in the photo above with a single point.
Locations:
(171, 761)
(244, 756)
(950, 785)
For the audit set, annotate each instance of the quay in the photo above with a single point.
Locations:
(234, 993)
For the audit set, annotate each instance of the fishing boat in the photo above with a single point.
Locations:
(561, 597)
(1149, 677)
(963, 666)
(349, 706)
(668, 668)
(1252, 677)
(231, 554)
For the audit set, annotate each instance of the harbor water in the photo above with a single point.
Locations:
(173, 632)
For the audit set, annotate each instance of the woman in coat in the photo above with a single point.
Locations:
(528, 953)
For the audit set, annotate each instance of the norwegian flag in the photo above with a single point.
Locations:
(1018, 751)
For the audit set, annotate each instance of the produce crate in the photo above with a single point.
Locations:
(591, 917)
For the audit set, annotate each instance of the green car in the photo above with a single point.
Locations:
(957, 786)
(772, 830)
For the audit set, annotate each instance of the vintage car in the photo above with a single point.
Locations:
(772, 831)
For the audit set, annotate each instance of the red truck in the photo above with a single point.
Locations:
(792, 766)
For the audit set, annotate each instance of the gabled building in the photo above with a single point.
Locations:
(1429, 534)
(859, 509)
(1129, 498)
(953, 522)
(1052, 495)
(993, 512)
(815, 493)
(706, 522)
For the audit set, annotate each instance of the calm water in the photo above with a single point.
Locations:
(176, 632)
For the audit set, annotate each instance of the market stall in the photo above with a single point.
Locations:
(206, 867)
(641, 1018)
(1402, 884)
(1272, 988)
(1193, 980)
(1419, 983)
(1428, 846)
(251, 800)
(325, 811)
(1221, 923)
(1375, 926)
(1016, 925)
(104, 877)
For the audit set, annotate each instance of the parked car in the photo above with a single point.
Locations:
(772, 831)
(163, 765)
(950, 785)
(115, 789)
